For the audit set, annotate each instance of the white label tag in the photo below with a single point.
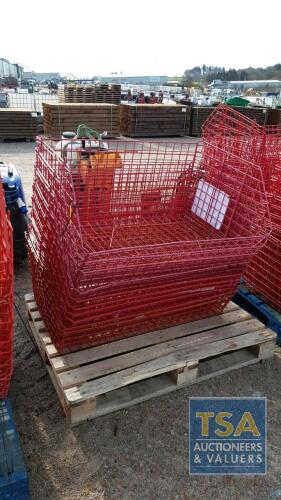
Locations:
(183, 110)
(210, 204)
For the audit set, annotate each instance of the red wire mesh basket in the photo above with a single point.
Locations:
(261, 144)
(141, 237)
(263, 275)
(6, 299)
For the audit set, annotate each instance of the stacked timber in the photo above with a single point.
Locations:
(90, 93)
(17, 124)
(154, 120)
(273, 117)
(257, 114)
(59, 118)
(200, 113)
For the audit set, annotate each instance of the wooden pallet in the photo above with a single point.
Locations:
(90, 93)
(99, 380)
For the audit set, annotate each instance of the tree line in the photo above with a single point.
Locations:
(206, 74)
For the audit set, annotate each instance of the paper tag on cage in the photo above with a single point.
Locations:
(210, 204)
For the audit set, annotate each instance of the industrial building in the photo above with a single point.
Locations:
(273, 85)
(41, 77)
(10, 70)
(138, 80)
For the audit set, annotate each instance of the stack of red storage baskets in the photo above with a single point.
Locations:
(263, 275)
(262, 145)
(6, 299)
(142, 237)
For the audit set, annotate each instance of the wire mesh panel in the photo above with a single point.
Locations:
(139, 237)
(263, 275)
(260, 144)
(32, 102)
(6, 298)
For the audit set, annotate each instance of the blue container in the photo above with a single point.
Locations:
(13, 476)
(256, 306)
(15, 203)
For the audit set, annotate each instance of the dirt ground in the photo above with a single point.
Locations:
(135, 454)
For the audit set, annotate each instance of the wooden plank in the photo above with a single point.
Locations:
(38, 341)
(68, 361)
(91, 371)
(171, 362)
(160, 385)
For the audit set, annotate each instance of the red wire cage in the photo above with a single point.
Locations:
(263, 275)
(261, 144)
(142, 237)
(6, 299)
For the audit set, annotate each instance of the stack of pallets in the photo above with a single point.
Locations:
(154, 120)
(17, 124)
(59, 118)
(90, 93)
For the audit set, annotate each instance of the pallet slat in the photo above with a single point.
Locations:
(162, 365)
(95, 370)
(96, 381)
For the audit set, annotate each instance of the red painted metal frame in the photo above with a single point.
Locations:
(6, 299)
(261, 144)
(117, 248)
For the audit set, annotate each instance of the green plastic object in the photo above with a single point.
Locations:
(237, 101)
(83, 131)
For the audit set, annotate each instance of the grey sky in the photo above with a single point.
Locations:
(99, 37)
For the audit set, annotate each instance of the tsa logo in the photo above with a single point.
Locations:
(227, 435)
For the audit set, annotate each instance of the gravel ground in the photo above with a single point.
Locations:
(134, 454)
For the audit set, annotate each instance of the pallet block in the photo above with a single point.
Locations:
(102, 379)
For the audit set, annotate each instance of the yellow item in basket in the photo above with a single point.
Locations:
(98, 172)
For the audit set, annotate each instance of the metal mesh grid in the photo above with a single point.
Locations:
(33, 102)
(6, 299)
(117, 242)
(261, 144)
